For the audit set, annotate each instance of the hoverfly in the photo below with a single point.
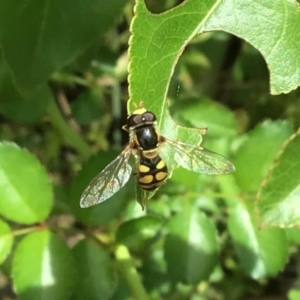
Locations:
(147, 146)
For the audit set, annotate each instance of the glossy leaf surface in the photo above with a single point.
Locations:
(256, 155)
(205, 113)
(251, 20)
(191, 247)
(15, 106)
(25, 189)
(96, 274)
(140, 232)
(55, 33)
(261, 252)
(151, 69)
(6, 240)
(278, 200)
(43, 268)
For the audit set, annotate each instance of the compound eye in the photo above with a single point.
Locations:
(149, 117)
(134, 120)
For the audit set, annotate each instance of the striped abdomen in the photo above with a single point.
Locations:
(152, 172)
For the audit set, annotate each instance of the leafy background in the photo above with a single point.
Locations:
(197, 64)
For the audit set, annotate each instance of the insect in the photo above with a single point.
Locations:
(149, 150)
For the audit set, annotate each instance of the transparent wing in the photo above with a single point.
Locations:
(109, 181)
(196, 158)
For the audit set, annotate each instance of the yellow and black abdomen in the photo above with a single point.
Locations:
(152, 172)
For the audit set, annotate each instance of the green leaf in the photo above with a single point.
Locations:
(43, 268)
(6, 240)
(103, 212)
(156, 45)
(206, 113)
(191, 247)
(86, 107)
(278, 199)
(25, 190)
(14, 106)
(101, 53)
(187, 180)
(255, 156)
(261, 252)
(19, 109)
(154, 49)
(251, 20)
(293, 235)
(153, 272)
(96, 273)
(133, 210)
(49, 39)
(138, 233)
(294, 294)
